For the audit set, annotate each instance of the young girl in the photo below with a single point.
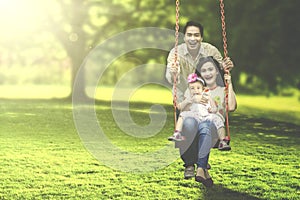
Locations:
(191, 106)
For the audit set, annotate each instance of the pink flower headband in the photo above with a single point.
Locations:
(193, 78)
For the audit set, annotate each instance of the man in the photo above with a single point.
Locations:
(188, 56)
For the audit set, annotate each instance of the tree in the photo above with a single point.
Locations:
(262, 38)
(262, 34)
(264, 41)
(81, 25)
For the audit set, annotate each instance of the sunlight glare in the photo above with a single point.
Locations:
(19, 16)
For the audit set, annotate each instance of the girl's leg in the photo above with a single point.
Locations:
(177, 136)
(179, 124)
(221, 133)
(223, 145)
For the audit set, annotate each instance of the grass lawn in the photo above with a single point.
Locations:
(42, 156)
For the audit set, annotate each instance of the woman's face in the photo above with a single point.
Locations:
(209, 73)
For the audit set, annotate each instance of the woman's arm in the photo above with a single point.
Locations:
(184, 104)
(232, 104)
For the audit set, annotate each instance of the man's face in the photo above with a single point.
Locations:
(193, 38)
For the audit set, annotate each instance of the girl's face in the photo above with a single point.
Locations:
(209, 73)
(196, 88)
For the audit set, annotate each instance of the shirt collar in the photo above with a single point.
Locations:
(186, 52)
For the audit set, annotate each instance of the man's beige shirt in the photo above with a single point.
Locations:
(187, 65)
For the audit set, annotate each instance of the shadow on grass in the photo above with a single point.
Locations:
(260, 128)
(264, 131)
(217, 192)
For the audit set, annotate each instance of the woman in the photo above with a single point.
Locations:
(205, 134)
(208, 68)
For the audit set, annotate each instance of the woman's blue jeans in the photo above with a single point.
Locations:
(199, 142)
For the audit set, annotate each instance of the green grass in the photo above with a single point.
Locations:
(42, 156)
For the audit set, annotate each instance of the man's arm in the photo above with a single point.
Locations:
(173, 68)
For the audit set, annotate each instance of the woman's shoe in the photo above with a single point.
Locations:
(203, 177)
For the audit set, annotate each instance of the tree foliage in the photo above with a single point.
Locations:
(262, 35)
(264, 42)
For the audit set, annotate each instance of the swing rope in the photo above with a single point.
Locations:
(222, 11)
(226, 71)
(176, 62)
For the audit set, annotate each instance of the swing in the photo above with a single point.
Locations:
(222, 12)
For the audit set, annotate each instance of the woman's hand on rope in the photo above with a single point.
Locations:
(227, 64)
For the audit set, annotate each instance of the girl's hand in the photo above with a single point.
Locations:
(203, 99)
(213, 109)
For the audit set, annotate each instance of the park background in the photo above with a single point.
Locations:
(43, 45)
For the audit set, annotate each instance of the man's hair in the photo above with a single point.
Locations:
(196, 24)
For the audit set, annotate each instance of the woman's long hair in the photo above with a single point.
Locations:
(220, 76)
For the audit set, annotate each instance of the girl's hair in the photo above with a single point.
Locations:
(203, 60)
(192, 78)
